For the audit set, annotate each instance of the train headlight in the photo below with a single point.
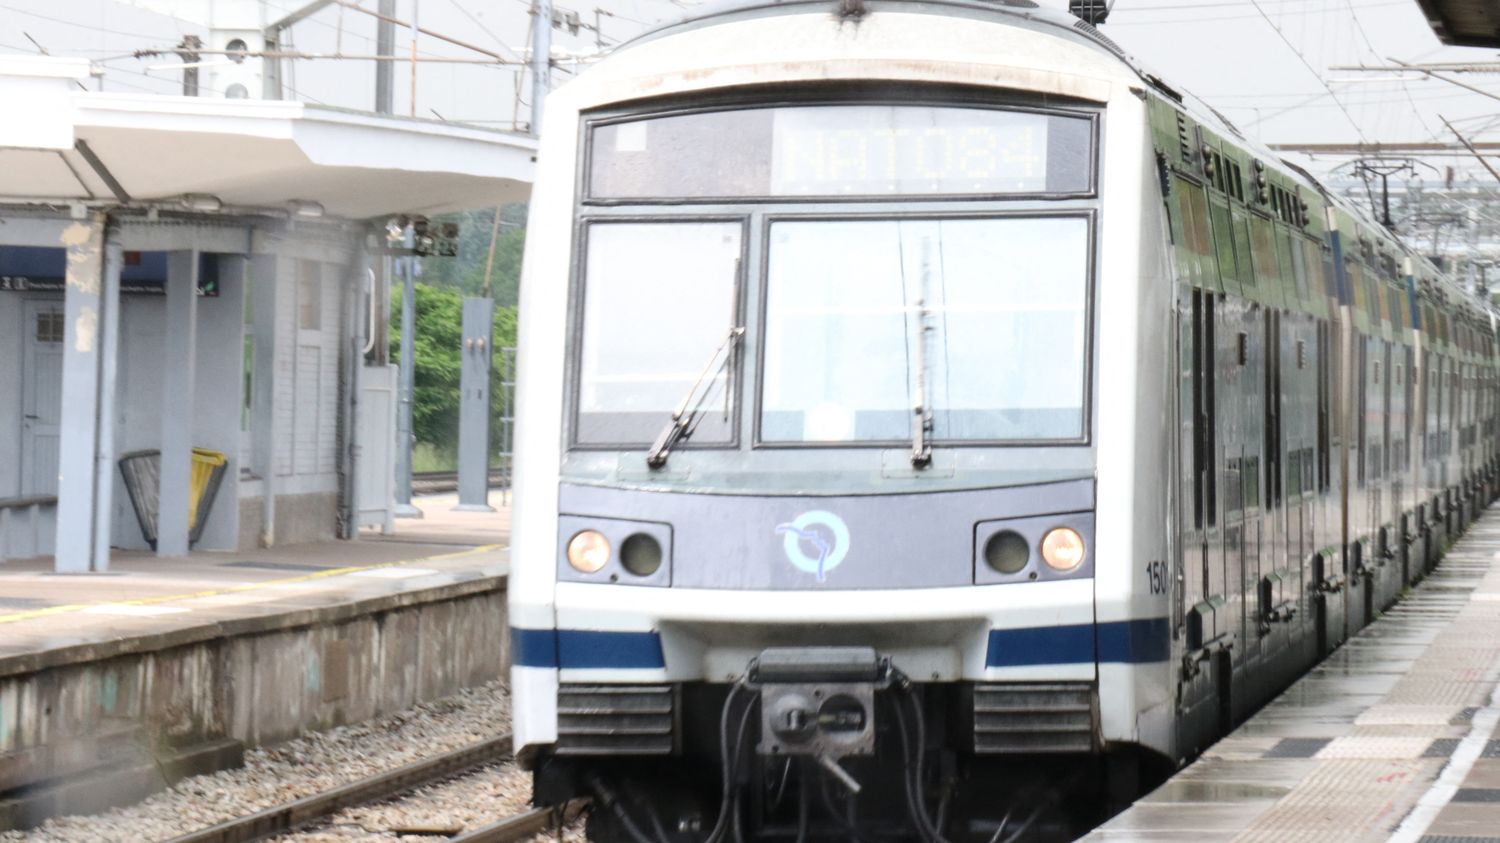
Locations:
(588, 551)
(1062, 549)
(1007, 552)
(641, 554)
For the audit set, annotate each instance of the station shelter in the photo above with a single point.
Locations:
(181, 273)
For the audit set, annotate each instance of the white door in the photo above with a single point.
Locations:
(41, 397)
(375, 440)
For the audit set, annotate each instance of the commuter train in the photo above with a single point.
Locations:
(925, 408)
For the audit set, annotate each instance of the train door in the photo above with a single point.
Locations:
(1330, 571)
(1432, 457)
(1277, 536)
(1383, 526)
(1301, 484)
(1440, 448)
(1401, 422)
(1224, 573)
(1199, 609)
(1255, 470)
(1362, 494)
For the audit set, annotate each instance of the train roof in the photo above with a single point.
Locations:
(1061, 24)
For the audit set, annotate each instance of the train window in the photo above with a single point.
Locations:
(990, 313)
(1244, 248)
(639, 359)
(1301, 354)
(1234, 485)
(842, 150)
(1263, 251)
(1223, 238)
(1299, 265)
(1194, 217)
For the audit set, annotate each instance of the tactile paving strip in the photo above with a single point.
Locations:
(1342, 800)
(1391, 714)
(1360, 746)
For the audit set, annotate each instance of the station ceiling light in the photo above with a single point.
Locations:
(204, 203)
(305, 208)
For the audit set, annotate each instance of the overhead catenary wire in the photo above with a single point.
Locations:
(1298, 53)
(1299, 13)
(474, 19)
(109, 30)
(1360, 27)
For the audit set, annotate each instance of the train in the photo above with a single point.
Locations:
(933, 424)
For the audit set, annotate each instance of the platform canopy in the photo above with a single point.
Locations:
(1464, 23)
(60, 143)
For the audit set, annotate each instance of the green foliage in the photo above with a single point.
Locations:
(439, 340)
(465, 272)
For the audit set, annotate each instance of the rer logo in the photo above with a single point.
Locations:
(815, 542)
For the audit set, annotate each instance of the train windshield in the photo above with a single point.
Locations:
(1000, 306)
(650, 325)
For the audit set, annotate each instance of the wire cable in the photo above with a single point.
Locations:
(1310, 69)
(1360, 27)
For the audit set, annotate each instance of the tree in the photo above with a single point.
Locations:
(437, 355)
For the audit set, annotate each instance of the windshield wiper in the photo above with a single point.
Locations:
(921, 413)
(685, 417)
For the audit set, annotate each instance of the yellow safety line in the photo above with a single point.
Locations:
(234, 589)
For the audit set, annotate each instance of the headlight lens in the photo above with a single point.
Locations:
(1007, 552)
(1062, 549)
(641, 554)
(588, 551)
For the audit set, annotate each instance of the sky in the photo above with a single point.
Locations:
(1263, 63)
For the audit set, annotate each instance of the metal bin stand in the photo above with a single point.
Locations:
(142, 473)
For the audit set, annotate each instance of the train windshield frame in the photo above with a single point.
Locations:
(680, 302)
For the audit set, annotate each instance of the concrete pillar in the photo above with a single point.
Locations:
(178, 376)
(474, 406)
(264, 291)
(218, 397)
(109, 354)
(86, 304)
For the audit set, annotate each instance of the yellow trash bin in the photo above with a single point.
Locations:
(204, 463)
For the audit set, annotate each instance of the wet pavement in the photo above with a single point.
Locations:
(1393, 737)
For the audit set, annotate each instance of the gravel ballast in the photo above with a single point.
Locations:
(316, 762)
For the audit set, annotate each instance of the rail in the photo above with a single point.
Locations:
(431, 482)
(522, 825)
(291, 816)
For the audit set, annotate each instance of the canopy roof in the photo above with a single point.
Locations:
(1464, 23)
(60, 144)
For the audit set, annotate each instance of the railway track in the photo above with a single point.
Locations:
(432, 482)
(300, 814)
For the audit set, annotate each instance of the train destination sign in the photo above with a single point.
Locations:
(842, 150)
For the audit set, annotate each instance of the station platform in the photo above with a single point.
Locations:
(1393, 737)
(113, 685)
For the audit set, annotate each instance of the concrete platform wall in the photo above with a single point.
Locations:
(85, 728)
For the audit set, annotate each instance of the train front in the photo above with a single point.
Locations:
(810, 522)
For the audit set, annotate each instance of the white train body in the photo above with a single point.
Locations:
(1103, 653)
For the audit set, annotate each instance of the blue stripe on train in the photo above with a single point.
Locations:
(1128, 642)
(586, 648)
